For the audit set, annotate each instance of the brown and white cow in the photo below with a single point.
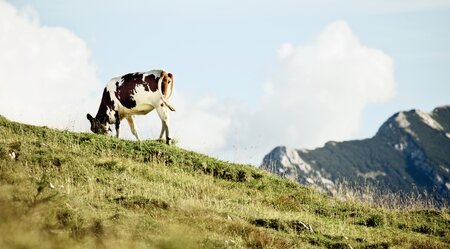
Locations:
(134, 94)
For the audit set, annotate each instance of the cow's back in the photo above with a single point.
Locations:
(135, 91)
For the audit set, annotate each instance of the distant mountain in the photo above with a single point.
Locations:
(410, 152)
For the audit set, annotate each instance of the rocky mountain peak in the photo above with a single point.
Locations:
(410, 152)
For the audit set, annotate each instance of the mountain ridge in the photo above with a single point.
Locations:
(409, 153)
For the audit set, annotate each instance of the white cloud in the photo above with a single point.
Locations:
(47, 77)
(318, 92)
(203, 124)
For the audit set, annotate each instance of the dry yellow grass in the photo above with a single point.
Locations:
(77, 190)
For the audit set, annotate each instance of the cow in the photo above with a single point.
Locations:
(134, 94)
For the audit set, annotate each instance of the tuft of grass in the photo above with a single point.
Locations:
(61, 189)
(375, 195)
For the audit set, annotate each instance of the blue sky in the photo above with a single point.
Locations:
(227, 59)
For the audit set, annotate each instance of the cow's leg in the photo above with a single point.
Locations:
(130, 120)
(117, 125)
(165, 123)
(163, 129)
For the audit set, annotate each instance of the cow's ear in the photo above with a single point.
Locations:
(89, 117)
(170, 75)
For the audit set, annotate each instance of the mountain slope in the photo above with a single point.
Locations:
(61, 189)
(409, 153)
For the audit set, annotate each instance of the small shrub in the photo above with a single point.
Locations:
(257, 175)
(282, 225)
(382, 245)
(428, 244)
(241, 176)
(111, 165)
(64, 218)
(97, 228)
(70, 220)
(374, 220)
(423, 229)
(140, 202)
(3, 152)
(339, 245)
(275, 224)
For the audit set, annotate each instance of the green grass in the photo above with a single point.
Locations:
(61, 189)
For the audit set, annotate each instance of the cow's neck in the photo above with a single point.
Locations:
(102, 118)
(102, 114)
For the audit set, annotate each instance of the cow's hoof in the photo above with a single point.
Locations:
(168, 141)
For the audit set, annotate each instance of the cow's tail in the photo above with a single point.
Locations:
(166, 103)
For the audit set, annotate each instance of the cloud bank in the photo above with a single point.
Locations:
(47, 77)
(318, 92)
(322, 87)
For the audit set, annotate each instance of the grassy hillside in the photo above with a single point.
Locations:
(61, 189)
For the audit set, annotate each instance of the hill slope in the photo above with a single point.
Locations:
(61, 189)
(409, 153)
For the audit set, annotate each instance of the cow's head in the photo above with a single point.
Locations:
(97, 126)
